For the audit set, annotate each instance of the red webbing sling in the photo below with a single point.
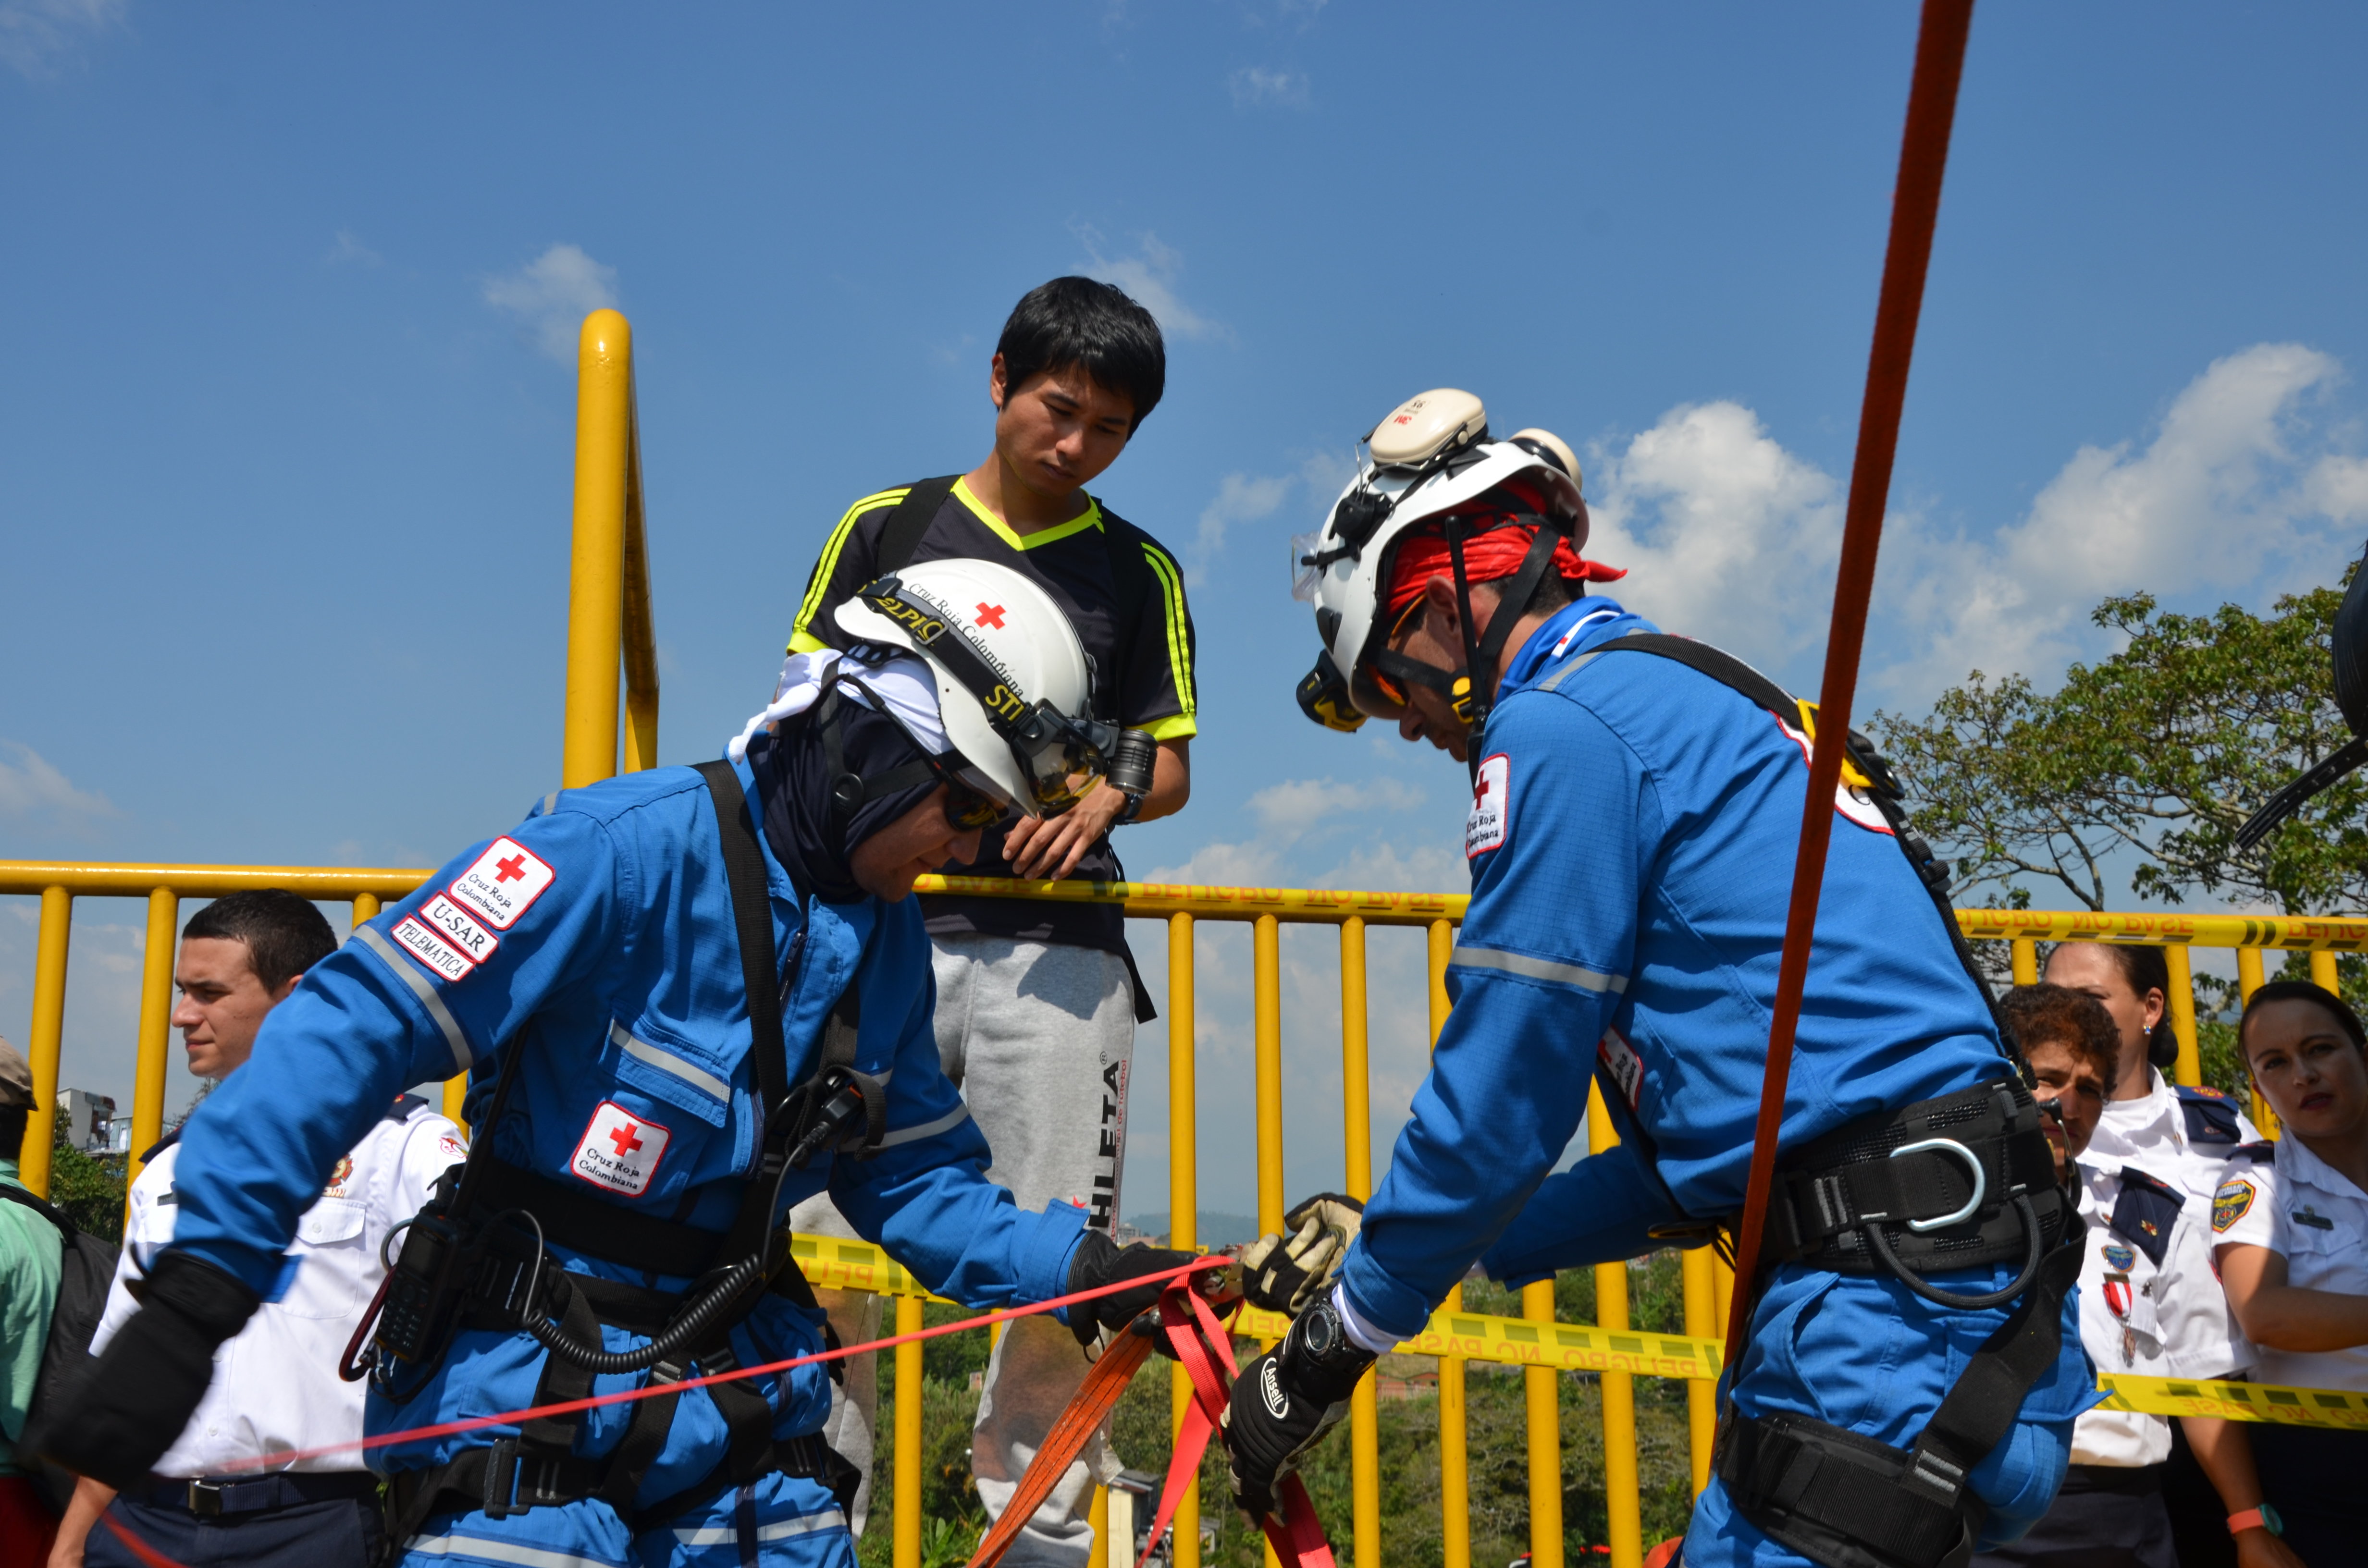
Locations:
(1203, 1348)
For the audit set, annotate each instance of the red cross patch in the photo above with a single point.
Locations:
(620, 1150)
(500, 883)
(989, 614)
(1485, 829)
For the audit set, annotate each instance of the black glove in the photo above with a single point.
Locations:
(1101, 1261)
(1286, 1400)
(146, 1384)
(1284, 1273)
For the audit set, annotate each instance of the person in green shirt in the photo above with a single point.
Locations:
(30, 1264)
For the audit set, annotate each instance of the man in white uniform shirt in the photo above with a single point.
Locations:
(275, 1387)
(2149, 1305)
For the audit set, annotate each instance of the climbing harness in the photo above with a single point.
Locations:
(478, 1255)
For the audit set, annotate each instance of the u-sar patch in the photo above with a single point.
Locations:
(1485, 829)
(500, 883)
(2231, 1203)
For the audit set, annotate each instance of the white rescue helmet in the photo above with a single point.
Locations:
(1015, 686)
(1431, 456)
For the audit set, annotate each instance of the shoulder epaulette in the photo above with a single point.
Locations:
(2145, 1212)
(161, 1145)
(2210, 1116)
(2260, 1152)
(403, 1108)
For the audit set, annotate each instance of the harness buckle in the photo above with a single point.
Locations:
(206, 1498)
(517, 1481)
(1973, 1163)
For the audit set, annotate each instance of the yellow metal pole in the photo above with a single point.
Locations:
(48, 1031)
(155, 1026)
(604, 405)
(2323, 972)
(2250, 979)
(1542, 1396)
(1266, 965)
(2026, 962)
(639, 632)
(1098, 1521)
(1357, 1138)
(1183, 1192)
(1701, 1395)
(1619, 1388)
(1455, 1462)
(2189, 1068)
(1721, 1281)
(907, 1531)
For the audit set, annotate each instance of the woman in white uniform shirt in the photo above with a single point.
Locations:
(2291, 1234)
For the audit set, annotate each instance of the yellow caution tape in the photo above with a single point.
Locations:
(2236, 1402)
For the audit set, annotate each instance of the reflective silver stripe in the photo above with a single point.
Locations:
(1569, 670)
(492, 1550)
(1538, 969)
(665, 1061)
(421, 987)
(780, 1529)
(550, 803)
(953, 1119)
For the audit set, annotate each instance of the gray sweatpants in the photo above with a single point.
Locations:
(1039, 1038)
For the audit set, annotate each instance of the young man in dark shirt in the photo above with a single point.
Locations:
(1037, 1003)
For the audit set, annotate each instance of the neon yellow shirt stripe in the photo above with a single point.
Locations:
(1091, 517)
(828, 566)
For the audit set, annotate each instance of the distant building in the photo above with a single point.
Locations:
(88, 1122)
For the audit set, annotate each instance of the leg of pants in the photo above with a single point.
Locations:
(342, 1533)
(2101, 1519)
(777, 1521)
(2312, 1476)
(1039, 1038)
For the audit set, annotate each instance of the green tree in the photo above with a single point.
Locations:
(89, 1188)
(2159, 752)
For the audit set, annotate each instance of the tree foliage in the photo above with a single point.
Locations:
(2158, 753)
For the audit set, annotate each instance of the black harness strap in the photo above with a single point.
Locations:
(901, 535)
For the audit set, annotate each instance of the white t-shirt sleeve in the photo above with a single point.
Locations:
(147, 1227)
(2244, 1209)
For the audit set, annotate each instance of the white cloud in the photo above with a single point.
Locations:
(33, 33)
(350, 248)
(1249, 498)
(553, 294)
(1254, 86)
(2235, 489)
(31, 787)
(1721, 528)
(1150, 277)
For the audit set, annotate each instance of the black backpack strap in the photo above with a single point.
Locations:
(1930, 868)
(901, 534)
(14, 1194)
(752, 918)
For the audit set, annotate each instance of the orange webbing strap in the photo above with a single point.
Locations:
(1101, 1392)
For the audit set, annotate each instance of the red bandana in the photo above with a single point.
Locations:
(1496, 554)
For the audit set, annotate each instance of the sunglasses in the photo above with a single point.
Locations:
(968, 808)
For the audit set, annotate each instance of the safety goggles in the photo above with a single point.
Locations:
(969, 805)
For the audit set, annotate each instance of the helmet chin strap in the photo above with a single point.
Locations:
(1459, 686)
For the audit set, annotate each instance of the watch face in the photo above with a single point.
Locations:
(1322, 1331)
(2270, 1521)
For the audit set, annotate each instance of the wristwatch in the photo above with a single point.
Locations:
(1319, 1352)
(2262, 1519)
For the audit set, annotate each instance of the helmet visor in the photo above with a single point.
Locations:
(1060, 758)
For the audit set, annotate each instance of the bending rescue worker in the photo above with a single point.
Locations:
(676, 1027)
(1636, 805)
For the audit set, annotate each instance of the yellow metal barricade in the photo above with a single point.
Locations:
(611, 646)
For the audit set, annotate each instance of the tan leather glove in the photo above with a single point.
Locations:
(1286, 1273)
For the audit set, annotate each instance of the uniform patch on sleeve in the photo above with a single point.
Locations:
(1485, 829)
(442, 959)
(502, 883)
(620, 1150)
(2231, 1203)
(1620, 1059)
(456, 926)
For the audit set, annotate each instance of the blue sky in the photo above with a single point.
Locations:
(287, 441)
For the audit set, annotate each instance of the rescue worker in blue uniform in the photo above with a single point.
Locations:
(1635, 811)
(633, 977)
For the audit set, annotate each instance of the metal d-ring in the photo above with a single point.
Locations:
(1973, 1163)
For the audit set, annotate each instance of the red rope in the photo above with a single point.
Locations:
(1914, 208)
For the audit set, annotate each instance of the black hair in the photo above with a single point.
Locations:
(2145, 968)
(284, 935)
(12, 1132)
(2303, 991)
(2058, 1015)
(1078, 321)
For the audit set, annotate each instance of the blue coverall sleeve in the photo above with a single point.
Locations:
(364, 1024)
(1538, 971)
(1600, 1210)
(924, 1196)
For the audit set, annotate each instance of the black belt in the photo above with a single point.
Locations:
(210, 1499)
(571, 1217)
